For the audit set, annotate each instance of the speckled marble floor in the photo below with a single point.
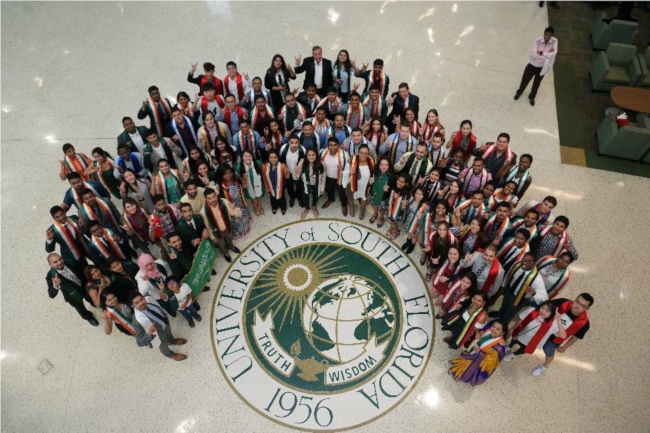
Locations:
(70, 71)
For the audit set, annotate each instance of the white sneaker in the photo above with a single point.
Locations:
(539, 371)
(509, 357)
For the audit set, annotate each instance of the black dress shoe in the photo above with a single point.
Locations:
(93, 322)
(228, 258)
(284, 211)
(532, 102)
(205, 289)
(235, 250)
(517, 95)
(410, 249)
(275, 211)
(213, 272)
(405, 245)
(191, 322)
(292, 202)
(197, 306)
(198, 317)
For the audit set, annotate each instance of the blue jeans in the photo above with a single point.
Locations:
(189, 312)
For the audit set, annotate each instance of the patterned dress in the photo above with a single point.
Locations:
(240, 225)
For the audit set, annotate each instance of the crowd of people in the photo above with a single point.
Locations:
(202, 166)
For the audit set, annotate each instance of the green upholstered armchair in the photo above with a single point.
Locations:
(629, 142)
(602, 34)
(616, 66)
(644, 61)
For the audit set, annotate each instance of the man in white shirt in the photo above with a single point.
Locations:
(136, 136)
(522, 285)
(542, 56)
(317, 70)
(152, 326)
(486, 267)
(131, 160)
(235, 83)
(354, 141)
(337, 173)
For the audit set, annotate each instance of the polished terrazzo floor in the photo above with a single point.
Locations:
(70, 71)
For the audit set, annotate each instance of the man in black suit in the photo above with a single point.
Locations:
(401, 100)
(61, 278)
(318, 70)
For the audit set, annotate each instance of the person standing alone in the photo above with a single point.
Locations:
(542, 56)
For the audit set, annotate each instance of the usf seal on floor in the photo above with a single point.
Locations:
(322, 325)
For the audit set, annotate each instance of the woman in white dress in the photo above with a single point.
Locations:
(362, 169)
(249, 171)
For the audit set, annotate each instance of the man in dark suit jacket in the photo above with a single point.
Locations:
(131, 129)
(400, 101)
(191, 227)
(318, 70)
(181, 257)
(308, 99)
(66, 232)
(62, 279)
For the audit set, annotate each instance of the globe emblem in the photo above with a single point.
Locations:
(343, 314)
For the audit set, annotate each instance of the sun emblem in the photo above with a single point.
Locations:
(285, 283)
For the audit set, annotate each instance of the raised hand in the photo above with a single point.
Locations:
(193, 68)
(297, 60)
(144, 104)
(50, 234)
(365, 67)
(56, 281)
(355, 87)
(246, 76)
(295, 90)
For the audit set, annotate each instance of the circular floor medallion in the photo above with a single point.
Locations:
(322, 325)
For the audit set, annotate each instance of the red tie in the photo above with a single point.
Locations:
(68, 231)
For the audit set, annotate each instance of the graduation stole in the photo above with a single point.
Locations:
(419, 212)
(76, 164)
(110, 239)
(505, 225)
(69, 240)
(541, 330)
(562, 280)
(469, 325)
(415, 128)
(284, 151)
(431, 190)
(207, 136)
(520, 181)
(216, 82)
(375, 107)
(497, 198)
(451, 239)
(170, 212)
(157, 116)
(319, 127)
(492, 149)
(520, 224)
(393, 146)
(106, 209)
(267, 171)
(161, 185)
(350, 115)
(446, 266)
(526, 282)
(577, 324)
(561, 243)
(240, 85)
(453, 297)
(472, 143)
(226, 116)
(284, 113)
(508, 246)
(428, 130)
(251, 147)
(328, 105)
(252, 95)
(376, 138)
(354, 172)
(252, 173)
(455, 202)
(468, 177)
(212, 217)
(188, 124)
(217, 98)
(77, 198)
(120, 318)
(395, 201)
(492, 275)
(306, 176)
(381, 80)
(100, 173)
(465, 234)
(226, 190)
(436, 156)
(341, 163)
(464, 207)
(187, 110)
(129, 220)
(255, 114)
(486, 341)
(422, 170)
